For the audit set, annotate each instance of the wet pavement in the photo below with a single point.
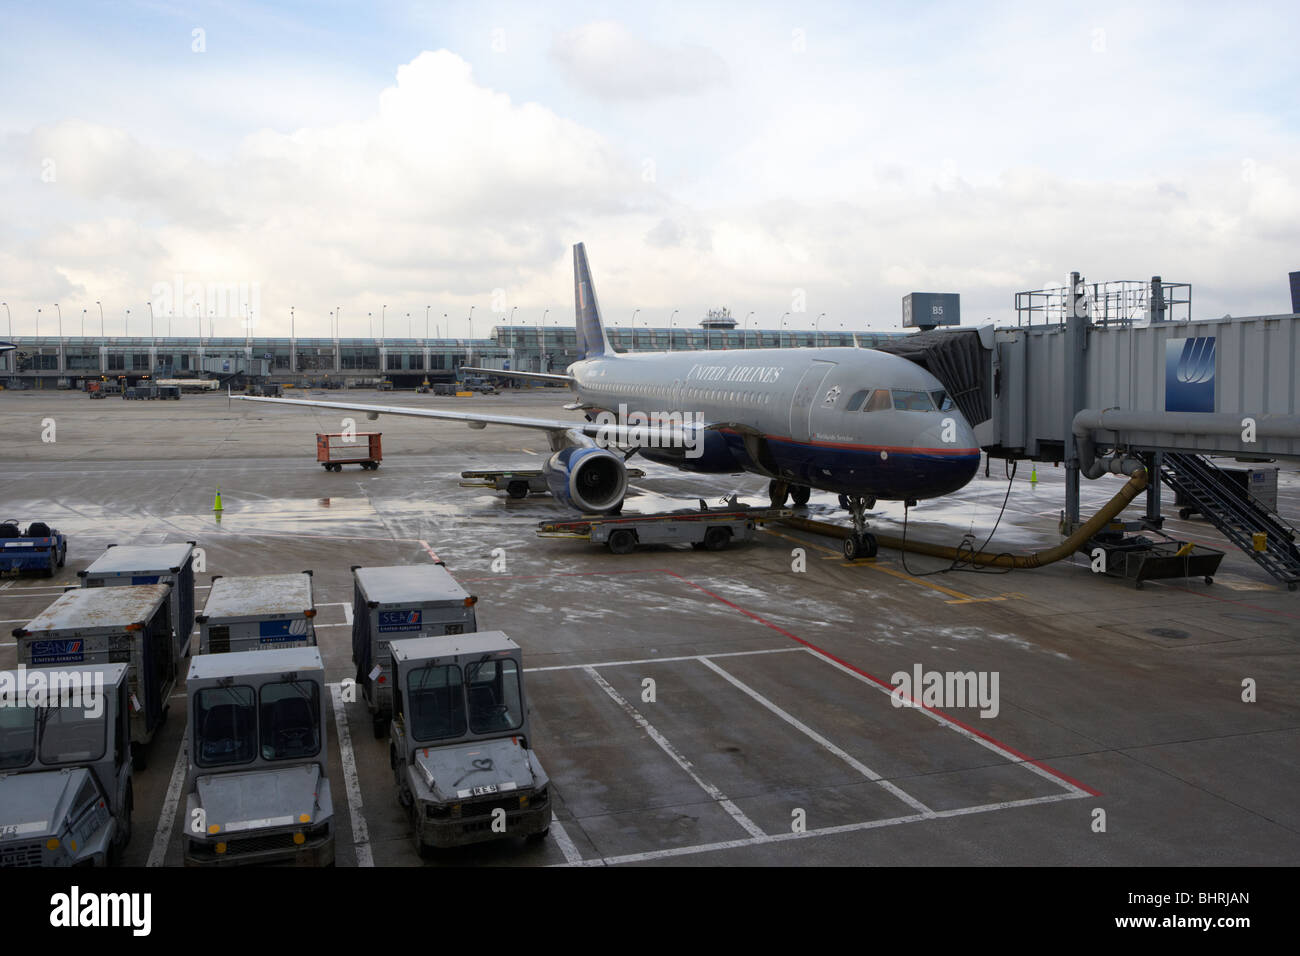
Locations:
(730, 707)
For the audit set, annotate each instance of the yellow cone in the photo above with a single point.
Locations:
(216, 504)
(1033, 475)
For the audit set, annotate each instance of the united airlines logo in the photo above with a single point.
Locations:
(399, 621)
(56, 652)
(1189, 374)
(1196, 361)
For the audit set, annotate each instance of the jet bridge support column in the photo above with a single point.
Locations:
(1076, 342)
(1154, 482)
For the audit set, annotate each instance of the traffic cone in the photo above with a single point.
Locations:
(216, 504)
(1033, 475)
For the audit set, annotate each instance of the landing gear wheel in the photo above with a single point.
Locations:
(622, 541)
(800, 494)
(1184, 513)
(715, 539)
(778, 492)
(517, 489)
(860, 543)
(1208, 579)
(54, 560)
(63, 554)
(860, 546)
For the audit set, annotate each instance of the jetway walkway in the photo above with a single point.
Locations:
(1236, 513)
(1112, 377)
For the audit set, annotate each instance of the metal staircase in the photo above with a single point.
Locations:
(1237, 514)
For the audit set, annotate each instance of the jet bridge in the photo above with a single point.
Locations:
(1115, 376)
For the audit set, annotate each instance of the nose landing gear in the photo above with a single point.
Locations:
(861, 543)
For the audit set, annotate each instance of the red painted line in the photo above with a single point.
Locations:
(565, 574)
(430, 552)
(871, 677)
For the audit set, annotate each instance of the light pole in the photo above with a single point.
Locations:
(408, 325)
(83, 323)
(780, 331)
(338, 318)
(150, 304)
(101, 319)
(744, 332)
(426, 325)
(126, 325)
(370, 322)
(11, 318)
(634, 312)
(60, 311)
(544, 359)
(671, 319)
(383, 328)
(818, 326)
(38, 322)
(470, 350)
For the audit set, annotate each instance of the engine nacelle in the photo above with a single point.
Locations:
(592, 480)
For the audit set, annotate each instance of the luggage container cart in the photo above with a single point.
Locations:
(702, 530)
(128, 625)
(259, 612)
(336, 449)
(391, 604)
(150, 564)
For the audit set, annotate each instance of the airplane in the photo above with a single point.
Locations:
(860, 423)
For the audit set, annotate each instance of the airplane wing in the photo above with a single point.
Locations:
(665, 436)
(508, 373)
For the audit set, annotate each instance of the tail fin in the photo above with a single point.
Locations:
(592, 340)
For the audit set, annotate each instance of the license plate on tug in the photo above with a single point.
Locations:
(483, 791)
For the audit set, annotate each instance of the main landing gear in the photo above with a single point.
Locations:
(861, 543)
(780, 491)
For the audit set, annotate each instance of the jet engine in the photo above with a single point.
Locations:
(591, 480)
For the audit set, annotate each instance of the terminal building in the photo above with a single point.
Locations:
(68, 361)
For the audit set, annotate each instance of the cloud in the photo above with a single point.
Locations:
(607, 60)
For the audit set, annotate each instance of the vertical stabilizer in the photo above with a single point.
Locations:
(591, 331)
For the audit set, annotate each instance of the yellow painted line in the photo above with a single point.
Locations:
(871, 563)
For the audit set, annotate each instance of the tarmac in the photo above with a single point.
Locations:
(719, 708)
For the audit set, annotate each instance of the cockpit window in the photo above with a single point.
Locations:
(906, 401)
(942, 401)
(856, 399)
(879, 401)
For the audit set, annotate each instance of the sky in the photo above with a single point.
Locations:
(806, 163)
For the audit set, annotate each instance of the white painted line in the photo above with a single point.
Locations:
(319, 626)
(16, 620)
(661, 660)
(351, 783)
(167, 816)
(9, 644)
(347, 613)
(939, 718)
(571, 854)
(804, 728)
(825, 831)
(717, 795)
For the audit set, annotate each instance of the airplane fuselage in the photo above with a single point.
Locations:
(846, 420)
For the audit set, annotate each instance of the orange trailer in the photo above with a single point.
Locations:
(359, 448)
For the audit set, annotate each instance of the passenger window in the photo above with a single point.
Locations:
(856, 399)
(879, 401)
(908, 401)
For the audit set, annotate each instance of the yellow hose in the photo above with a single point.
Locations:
(1038, 559)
